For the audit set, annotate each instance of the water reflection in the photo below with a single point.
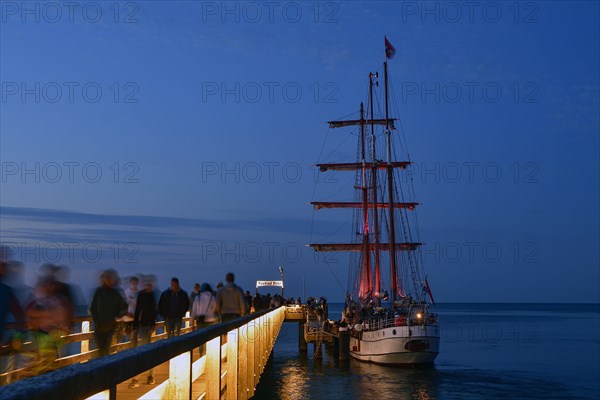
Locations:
(294, 380)
(484, 357)
(394, 383)
(292, 375)
(295, 375)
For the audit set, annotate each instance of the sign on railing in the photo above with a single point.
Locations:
(269, 283)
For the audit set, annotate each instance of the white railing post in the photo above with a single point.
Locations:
(261, 355)
(189, 321)
(243, 391)
(213, 368)
(251, 357)
(232, 364)
(256, 351)
(85, 344)
(180, 374)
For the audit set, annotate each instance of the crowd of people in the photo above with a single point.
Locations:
(42, 315)
(48, 313)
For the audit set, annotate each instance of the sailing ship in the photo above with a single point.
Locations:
(390, 321)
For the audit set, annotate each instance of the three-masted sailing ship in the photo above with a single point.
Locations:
(388, 305)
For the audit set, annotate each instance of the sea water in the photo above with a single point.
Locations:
(487, 351)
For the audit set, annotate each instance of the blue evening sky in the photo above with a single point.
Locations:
(177, 138)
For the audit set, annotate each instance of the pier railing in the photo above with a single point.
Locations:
(82, 334)
(235, 355)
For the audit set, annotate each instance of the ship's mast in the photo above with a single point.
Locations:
(390, 178)
(365, 282)
(374, 188)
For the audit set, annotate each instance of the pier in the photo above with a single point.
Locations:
(223, 361)
(234, 356)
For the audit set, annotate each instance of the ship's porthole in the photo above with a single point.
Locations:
(394, 332)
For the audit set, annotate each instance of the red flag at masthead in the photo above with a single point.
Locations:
(389, 49)
(429, 290)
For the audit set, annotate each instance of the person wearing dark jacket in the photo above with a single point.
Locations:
(9, 304)
(173, 304)
(146, 309)
(144, 321)
(107, 305)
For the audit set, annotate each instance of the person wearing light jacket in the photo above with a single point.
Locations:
(230, 300)
(204, 307)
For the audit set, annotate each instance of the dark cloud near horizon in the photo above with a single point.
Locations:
(64, 217)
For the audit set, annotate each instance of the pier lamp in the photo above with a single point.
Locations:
(282, 282)
(419, 315)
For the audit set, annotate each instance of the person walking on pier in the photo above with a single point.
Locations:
(203, 309)
(48, 316)
(144, 320)
(9, 304)
(248, 299)
(195, 293)
(230, 300)
(107, 305)
(131, 294)
(173, 304)
(57, 276)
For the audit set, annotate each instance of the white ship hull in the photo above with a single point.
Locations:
(401, 345)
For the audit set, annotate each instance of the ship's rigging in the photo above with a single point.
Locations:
(383, 235)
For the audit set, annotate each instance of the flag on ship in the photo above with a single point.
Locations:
(429, 291)
(389, 49)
